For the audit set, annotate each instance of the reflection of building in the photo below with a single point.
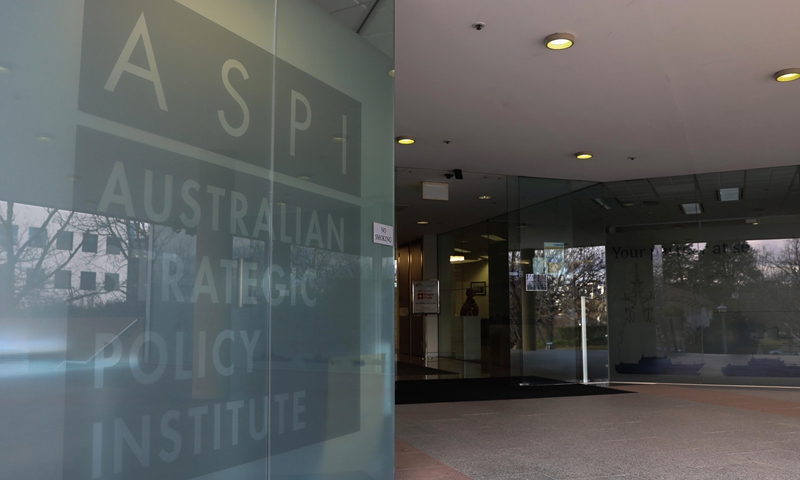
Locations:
(65, 261)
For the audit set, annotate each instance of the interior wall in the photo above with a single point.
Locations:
(411, 327)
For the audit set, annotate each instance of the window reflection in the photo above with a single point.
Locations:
(37, 269)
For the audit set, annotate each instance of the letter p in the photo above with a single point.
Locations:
(298, 97)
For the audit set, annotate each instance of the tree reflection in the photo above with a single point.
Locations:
(559, 307)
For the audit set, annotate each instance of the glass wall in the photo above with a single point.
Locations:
(473, 325)
(188, 282)
(690, 279)
(703, 278)
(494, 322)
(559, 260)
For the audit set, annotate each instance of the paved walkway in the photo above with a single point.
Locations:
(659, 432)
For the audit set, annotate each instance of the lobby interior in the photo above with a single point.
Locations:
(692, 147)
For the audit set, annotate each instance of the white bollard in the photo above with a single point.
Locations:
(583, 341)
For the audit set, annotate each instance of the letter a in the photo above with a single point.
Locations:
(124, 64)
(117, 178)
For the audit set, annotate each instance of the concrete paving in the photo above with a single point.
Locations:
(659, 432)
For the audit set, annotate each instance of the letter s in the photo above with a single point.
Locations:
(226, 68)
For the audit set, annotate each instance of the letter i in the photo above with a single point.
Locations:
(201, 354)
(297, 225)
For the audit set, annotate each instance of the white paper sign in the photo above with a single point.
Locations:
(382, 234)
(425, 296)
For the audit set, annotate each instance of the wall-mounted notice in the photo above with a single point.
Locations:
(425, 297)
(382, 234)
(535, 282)
(554, 256)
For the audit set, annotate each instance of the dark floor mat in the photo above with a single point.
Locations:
(480, 389)
(409, 369)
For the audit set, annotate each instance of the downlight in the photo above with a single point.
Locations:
(787, 75)
(406, 140)
(559, 41)
(583, 155)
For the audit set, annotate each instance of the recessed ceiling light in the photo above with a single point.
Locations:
(729, 194)
(603, 203)
(559, 41)
(691, 208)
(337, 139)
(485, 197)
(461, 250)
(44, 138)
(4, 70)
(456, 258)
(628, 204)
(787, 75)
(583, 155)
(422, 222)
(304, 177)
(493, 238)
(391, 73)
(405, 140)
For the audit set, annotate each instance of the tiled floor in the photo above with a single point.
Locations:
(411, 464)
(660, 432)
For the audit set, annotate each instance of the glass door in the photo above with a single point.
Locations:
(560, 285)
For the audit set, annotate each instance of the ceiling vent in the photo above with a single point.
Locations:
(435, 191)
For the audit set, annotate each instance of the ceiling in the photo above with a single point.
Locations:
(764, 192)
(682, 86)
(372, 19)
(463, 208)
(769, 197)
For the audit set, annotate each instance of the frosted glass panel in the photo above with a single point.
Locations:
(333, 157)
(188, 287)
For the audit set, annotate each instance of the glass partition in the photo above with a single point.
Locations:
(702, 278)
(188, 282)
(511, 286)
(690, 278)
(559, 261)
(464, 265)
